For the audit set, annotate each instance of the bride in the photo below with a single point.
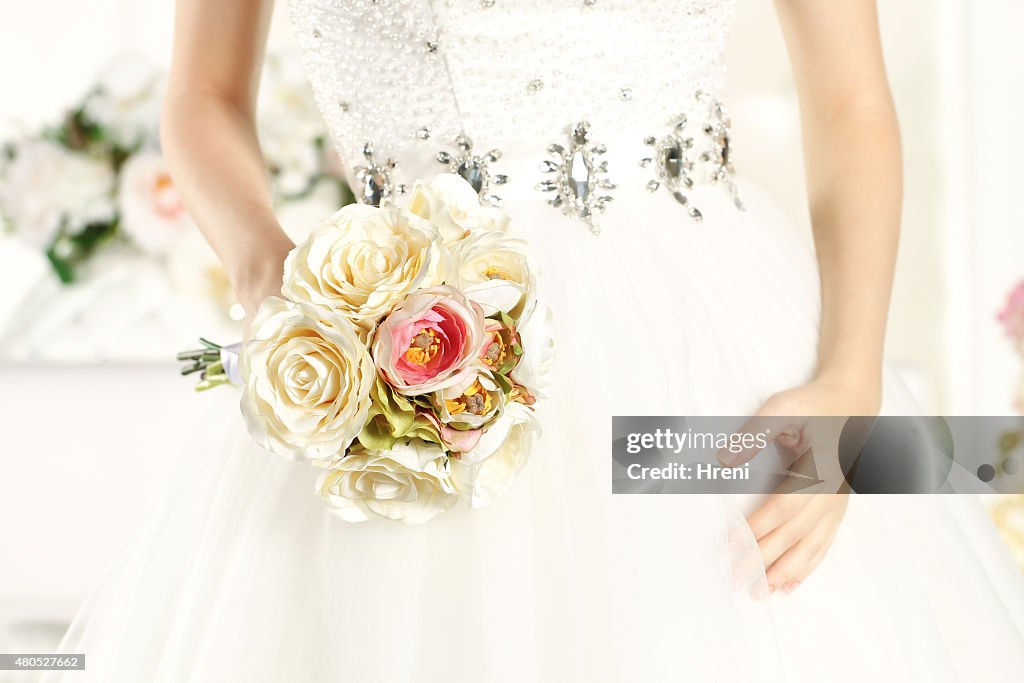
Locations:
(677, 288)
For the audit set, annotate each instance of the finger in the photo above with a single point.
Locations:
(775, 511)
(788, 535)
(752, 438)
(795, 565)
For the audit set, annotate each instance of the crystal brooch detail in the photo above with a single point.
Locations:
(376, 186)
(580, 177)
(474, 168)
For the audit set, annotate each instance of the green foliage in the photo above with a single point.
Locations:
(68, 252)
(394, 417)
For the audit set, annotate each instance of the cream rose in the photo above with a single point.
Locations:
(535, 334)
(449, 202)
(364, 260)
(495, 271)
(411, 483)
(488, 470)
(306, 382)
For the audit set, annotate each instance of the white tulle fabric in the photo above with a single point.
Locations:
(243, 575)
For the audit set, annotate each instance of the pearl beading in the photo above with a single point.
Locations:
(410, 76)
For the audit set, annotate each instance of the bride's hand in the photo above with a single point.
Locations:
(261, 279)
(795, 531)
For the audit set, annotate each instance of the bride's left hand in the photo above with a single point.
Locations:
(795, 531)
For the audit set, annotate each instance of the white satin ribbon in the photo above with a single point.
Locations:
(229, 358)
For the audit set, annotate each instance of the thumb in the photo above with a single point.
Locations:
(753, 437)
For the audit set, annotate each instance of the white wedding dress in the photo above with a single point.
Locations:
(243, 575)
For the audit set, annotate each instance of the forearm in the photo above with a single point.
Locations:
(214, 155)
(854, 167)
(855, 179)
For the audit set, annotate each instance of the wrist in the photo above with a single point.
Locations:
(258, 272)
(861, 385)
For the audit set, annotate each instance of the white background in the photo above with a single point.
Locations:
(81, 447)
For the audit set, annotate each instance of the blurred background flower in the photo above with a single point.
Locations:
(48, 192)
(153, 216)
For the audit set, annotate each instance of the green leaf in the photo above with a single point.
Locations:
(394, 417)
(63, 268)
(503, 382)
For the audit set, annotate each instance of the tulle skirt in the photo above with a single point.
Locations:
(242, 574)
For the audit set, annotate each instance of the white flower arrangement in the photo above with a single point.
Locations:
(97, 177)
(404, 359)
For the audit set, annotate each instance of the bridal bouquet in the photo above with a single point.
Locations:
(404, 358)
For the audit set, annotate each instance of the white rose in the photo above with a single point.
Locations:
(306, 383)
(153, 215)
(364, 260)
(47, 187)
(486, 472)
(411, 483)
(495, 271)
(450, 203)
(537, 340)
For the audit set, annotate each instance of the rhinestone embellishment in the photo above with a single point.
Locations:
(580, 183)
(475, 169)
(718, 130)
(673, 164)
(376, 185)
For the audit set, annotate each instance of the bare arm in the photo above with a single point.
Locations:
(208, 132)
(855, 186)
(855, 179)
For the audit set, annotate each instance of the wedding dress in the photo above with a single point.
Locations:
(697, 297)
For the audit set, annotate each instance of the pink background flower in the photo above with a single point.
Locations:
(1012, 316)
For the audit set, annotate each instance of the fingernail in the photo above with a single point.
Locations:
(791, 586)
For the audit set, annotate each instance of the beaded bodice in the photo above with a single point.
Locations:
(408, 74)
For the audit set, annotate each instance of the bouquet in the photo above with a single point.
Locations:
(404, 358)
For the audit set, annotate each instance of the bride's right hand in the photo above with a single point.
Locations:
(260, 278)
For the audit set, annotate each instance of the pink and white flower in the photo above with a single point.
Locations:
(153, 214)
(430, 342)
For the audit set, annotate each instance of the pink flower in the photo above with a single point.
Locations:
(456, 440)
(430, 342)
(1012, 317)
(152, 212)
